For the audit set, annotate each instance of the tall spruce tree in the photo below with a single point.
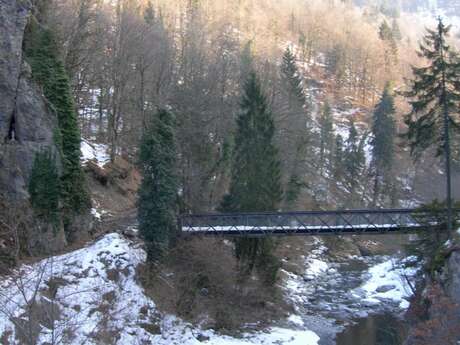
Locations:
(294, 127)
(391, 47)
(354, 160)
(326, 127)
(338, 158)
(383, 134)
(157, 205)
(396, 30)
(434, 96)
(336, 63)
(246, 62)
(44, 188)
(256, 178)
(385, 32)
(292, 80)
(47, 68)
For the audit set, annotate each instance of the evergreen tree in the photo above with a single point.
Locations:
(246, 62)
(44, 187)
(385, 32)
(292, 79)
(149, 14)
(391, 48)
(49, 71)
(336, 61)
(338, 158)
(255, 182)
(326, 127)
(158, 191)
(354, 160)
(384, 131)
(434, 91)
(294, 129)
(293, 188)
(434, 96)
(395, 30)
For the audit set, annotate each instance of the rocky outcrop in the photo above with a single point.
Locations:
(13, 19)
(434, 314)
(27, 123)
(453, 283)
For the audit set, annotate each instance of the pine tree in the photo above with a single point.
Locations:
(434, 91)
(395, 30)
(434, 96)
(354, 160)
(293, 188)
(391, 48)
(246, 62)
(336, 63)
(338, 158)
(256, 178)
(49, 71)
(157, 203)
(149, 14)
(385, 32)
(44, 188)
(294, 129)
(383, 132)
(292, 79)
(326, 127)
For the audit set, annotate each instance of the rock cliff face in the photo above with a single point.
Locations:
(453, 284)
(27, 124)
(434, 314)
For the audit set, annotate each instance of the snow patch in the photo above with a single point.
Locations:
(388, 280)
(94, 152)
(296, 320)
(316, 267)
(176, 332)
(96, 293)
(96, 214)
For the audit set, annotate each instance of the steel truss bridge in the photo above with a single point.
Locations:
(313, 222)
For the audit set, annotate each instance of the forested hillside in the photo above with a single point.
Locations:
(119, 116)
(126, 59)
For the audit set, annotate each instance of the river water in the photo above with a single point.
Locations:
(379, 329)
(332, 307)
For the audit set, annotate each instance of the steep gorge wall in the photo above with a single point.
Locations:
(434, 314)
(453, 278)
(27, 123)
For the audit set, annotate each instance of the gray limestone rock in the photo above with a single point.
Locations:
(454, 276)
(27, 125)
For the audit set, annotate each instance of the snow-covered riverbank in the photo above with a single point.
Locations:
(92, 293)
(330, 295)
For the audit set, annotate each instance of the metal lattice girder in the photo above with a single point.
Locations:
(312, 222)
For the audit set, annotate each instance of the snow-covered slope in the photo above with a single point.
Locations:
(94, 152)
(91, 294)
(389, 280)
(359, 286)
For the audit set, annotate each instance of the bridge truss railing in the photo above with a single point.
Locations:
(311, 222)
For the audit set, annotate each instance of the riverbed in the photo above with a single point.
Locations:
(358, 301)
(378, 329)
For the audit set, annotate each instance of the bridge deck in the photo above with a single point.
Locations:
(309, 223)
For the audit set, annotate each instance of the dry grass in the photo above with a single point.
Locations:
(205, 287)
(40, 313)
